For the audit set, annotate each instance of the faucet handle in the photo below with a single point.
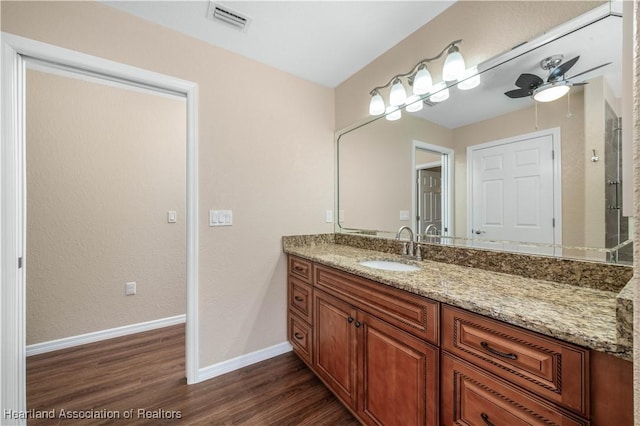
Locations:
(405, 249)
(418, 252)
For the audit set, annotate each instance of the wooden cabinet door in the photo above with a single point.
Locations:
(398, 376)
(335, 345)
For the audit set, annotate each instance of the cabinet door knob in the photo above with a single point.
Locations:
(298, 299)
(485, 417)
(358, 324)
(486, 346)
(350, 319)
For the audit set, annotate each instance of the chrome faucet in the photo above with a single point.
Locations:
(430, 228)
(407, 249)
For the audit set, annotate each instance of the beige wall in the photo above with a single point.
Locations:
(104, 165)
(488, 28)
(265, 151)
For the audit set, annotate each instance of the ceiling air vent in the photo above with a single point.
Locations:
(235, 19)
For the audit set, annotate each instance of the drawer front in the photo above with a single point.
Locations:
(473, 397)
(300, 298)
(548, 367)
(300, 268)
(415, 314)
(300, 337)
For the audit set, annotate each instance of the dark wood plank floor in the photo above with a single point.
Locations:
(146, 372)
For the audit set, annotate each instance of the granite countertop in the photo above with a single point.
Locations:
(584, 316)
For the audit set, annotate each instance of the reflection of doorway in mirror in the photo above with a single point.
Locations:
(432, 192)
(514, 187)
(430, 203)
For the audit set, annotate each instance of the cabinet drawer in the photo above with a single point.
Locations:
(300, 337)
(555, 370)
(300, 298)
(473, 397)
(412, 313)
(300, 268)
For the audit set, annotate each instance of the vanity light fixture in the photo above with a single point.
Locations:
(393, 113)
(440, 92)
(453, 64)
(420, 79)
(469, 79)
(414, 103)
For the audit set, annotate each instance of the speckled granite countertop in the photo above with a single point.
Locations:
(579, 315)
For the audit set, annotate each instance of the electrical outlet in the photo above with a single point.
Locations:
(130, 289)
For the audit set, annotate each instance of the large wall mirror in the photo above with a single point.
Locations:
(486, 170)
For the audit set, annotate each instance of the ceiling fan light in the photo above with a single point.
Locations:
(454, 65)
(414, 103)
(422, 83)
(440, 92)
(376, 105)
(551, 92)
(398, 95)
(393, 113)
(469, 79)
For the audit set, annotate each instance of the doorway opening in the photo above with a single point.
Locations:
(15, 52)
(432, 190)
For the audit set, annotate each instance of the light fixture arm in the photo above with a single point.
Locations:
(416, 66)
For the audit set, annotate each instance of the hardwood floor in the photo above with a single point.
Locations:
(146, 372)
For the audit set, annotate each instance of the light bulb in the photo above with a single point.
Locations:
(376, 106)
(453, 65)
(551, 92)
(414, 103)
(469, 79)
(393, 113)
(398, 95)
(422, 83)
(440, 92)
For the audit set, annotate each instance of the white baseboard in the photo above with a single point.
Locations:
(215, 370)
(82, 339)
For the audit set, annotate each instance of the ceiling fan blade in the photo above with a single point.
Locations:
(518, 93)
(589, 70)
(528, 81)
(562, 69)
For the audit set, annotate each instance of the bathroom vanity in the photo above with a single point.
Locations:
(448, 344)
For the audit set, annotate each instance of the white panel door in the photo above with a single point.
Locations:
(512, 193)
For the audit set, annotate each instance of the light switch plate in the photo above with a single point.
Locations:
(171, 216)
(220, 217)
(404, 214)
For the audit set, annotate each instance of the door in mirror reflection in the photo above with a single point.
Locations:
(512, 192)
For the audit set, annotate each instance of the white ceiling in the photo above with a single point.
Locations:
(321, 41)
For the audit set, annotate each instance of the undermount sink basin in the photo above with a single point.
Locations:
(388, 265)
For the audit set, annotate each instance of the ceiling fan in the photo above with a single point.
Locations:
(556, 86)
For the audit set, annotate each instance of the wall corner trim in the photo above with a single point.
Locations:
(83, 339)
(233, 364)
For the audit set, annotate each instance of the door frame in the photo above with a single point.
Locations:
(13, 263)
(555, 133)
(447, 163)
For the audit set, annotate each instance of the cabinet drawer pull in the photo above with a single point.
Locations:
(350, 319)
(298, 336)
(300, 268)
(486, 346)
(485, 417)
(358, 324)
(298, 298)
